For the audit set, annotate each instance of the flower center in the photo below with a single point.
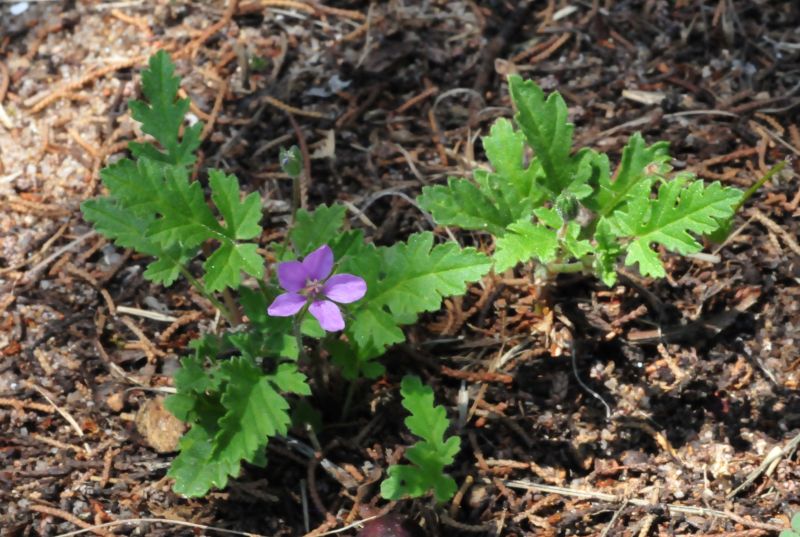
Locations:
(313, 288)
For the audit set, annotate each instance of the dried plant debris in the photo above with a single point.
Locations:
(647, 407)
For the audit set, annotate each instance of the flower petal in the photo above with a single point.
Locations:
(286, 305)
(319, 263)
(292, 275)
(345, 288)
(328, 314)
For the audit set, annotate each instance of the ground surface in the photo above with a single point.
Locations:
(698, 374)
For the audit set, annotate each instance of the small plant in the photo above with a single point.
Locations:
(795, 529)
(564, 210)
(430, 455)
(335, 293)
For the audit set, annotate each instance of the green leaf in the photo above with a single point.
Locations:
(639, 167)
(192, 376)
(428, 456)
(224, 267)
(407, 279)
(230, 428)
(523, 241)
(350, 244)
(288, 379)
(353, 361)
(121, 225)
(181, 405)
(273, 335)
(544, 124)
(607, 252)
(505, 148)
(462, 203)
(254, 409)
(420, 274)
(166, 269)
(184, 221)
(196, 398)
(125, 227)
(549, 217)
(313, 229)
(796, 522)
(241, 217)
(195, 470)
(185, 216)
(514, 186)
(137, 186)
(669, 220)
(310, 327)
(162, 115)
(495, 199)
(156, 185)
(574, 244)
(375, 328)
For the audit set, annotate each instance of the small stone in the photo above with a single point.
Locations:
(159, 428)
(115, 402)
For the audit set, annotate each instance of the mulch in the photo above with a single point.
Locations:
(651, 408)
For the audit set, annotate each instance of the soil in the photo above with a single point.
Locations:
(634, 410)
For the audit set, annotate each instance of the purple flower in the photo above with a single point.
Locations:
(308, 280)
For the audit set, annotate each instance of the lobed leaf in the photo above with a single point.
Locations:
(544, 123)
(224, 267)
(523, 241)
(125, 227)
(162, 115)
(670, 219)
(495, 199)
(195, 470)
(119, 224)
(415, 277)
(464, 204)
(185, 218)
(639, 167)
(241, 217)
(505, 149)
(234, 408)
(313, 229)
(428, 456)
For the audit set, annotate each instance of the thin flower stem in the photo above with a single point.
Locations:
(348, 400)
(211, 298)
(265, 289)
(298, 335)
(776, 169)
(227, 297)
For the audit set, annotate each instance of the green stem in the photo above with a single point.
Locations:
(298, 335)
(230, 303)
(264, 288)
(348, 399)
(211, 298)
(777, 168)
(566, 268)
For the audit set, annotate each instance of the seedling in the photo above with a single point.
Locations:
(563, 209)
